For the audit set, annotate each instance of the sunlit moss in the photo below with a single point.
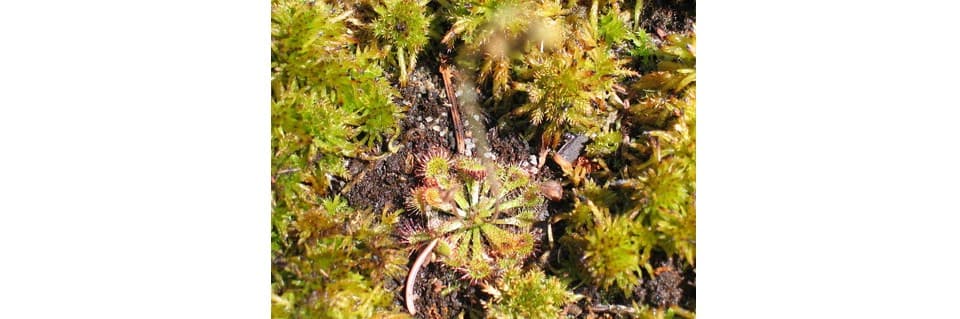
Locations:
(567, 89)
(530, 294)
(612, 253)
(404, 25)
(344, 255)
(643, 196)
(329, 97)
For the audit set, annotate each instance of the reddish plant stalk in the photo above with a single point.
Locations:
(412, 276)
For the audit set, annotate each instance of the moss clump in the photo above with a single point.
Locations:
(568, 90)
(404, 25)
(664, 186)
(611, 249)
(604, 144)
(329, 103)
(558, 56)
(496, 33)
(530, 294)
(330, 100)
(612, 253)
(336, 267)
(636, 193)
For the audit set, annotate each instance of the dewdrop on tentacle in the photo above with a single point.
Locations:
(434, 166)
(424, 197)
(472, 167)
(479, 216)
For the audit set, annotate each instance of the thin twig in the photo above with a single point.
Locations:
(287, 171)
(273, 179)
(615, 309)
(446, 73)
(412, 276)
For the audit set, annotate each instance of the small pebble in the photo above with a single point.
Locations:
(429, 119)
(533, 159)
(490, 155)
(552, 190)
(435, 128)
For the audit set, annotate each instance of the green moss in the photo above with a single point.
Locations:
(530, 294)
(404, 25)
(612, 27)
(495, 34)
(341, 257)
(612, 253)
(330, 102)
(329, 97)
(641, 195)
(568, 88)
(604, 144)
(677, 68)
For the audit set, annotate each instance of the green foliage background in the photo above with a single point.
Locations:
(552, 67)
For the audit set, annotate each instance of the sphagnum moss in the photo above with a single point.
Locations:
(404, 25)
(330, 103)
(338, 271)
(530, 294)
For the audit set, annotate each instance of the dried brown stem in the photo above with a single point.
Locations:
(447, 73)
(614, 309)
